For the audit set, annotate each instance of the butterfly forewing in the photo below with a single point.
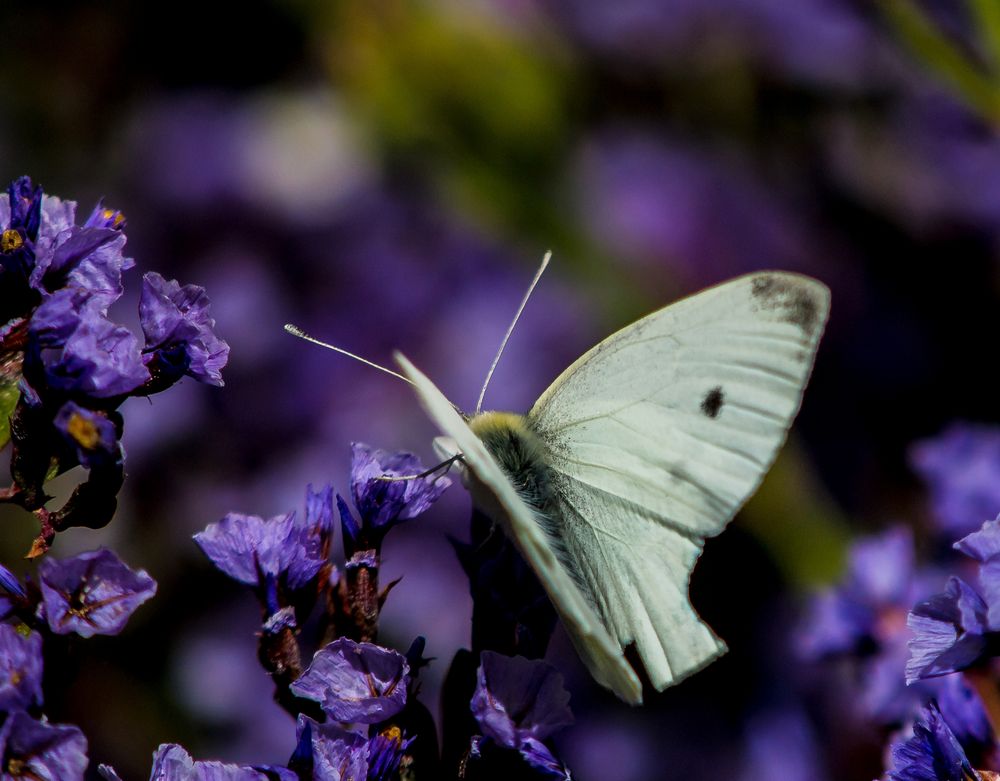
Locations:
(600, 652)
(655, 438)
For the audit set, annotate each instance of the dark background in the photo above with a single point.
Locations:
(387, 175)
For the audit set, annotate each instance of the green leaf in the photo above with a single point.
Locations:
(9, 394)
(944, 57)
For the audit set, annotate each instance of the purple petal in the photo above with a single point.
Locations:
(20, 669)
(982, 545)
(108, 773)
(356, 682)
(538, 756)
(98, 357)
(173, 763)
(52, 752)
(932, 754)
(10, 583)
(963, 711)
(518, 698)
(91, 593)
(949, 632)
(338, 755)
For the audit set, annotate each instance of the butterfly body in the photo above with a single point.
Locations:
(644, 447)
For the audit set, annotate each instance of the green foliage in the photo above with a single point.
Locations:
(9, 394)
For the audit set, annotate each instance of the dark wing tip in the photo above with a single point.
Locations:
(795, 299)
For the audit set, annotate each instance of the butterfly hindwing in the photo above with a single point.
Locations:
(658, 435)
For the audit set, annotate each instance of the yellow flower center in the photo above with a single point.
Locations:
(84, 431)
(10, 240)
(116, 217)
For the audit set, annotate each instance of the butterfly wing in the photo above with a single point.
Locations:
(658, 435)
(602, 654)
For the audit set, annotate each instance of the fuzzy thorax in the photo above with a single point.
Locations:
(520, 453)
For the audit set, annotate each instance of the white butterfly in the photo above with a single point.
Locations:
(644, 447)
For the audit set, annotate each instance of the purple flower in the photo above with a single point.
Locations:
(90, 433)
(20, 669)
(173, 763)
(180, 336)
(933, 753)
(961, 467)
(383, 503)
(518, 703)
(77, 349)
(950, 632)
(246, 547)
(91, 593)
(32, 749)
(356, 682)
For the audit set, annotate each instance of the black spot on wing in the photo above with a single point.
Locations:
(711, 405)
(791, 299)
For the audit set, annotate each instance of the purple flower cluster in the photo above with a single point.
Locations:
(71, 365)
(931, 677)
(864, 620)
(88, 594)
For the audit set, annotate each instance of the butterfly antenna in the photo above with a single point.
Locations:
(294, 330)
(506, 338)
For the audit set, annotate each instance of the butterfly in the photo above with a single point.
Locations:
(644, 447)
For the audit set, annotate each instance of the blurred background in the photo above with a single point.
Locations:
(388, 174)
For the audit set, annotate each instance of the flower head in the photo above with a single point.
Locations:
(91, 593)
(251, 550)
(180, 335)
(518, 703)
(961, 467)
(356, 682)
(384, 503)
(20, 669)
(32, 749)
